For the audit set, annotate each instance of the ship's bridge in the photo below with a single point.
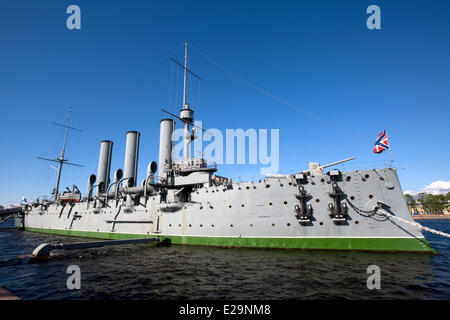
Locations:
(184, 167)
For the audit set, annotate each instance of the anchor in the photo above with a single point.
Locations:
(303, 211)
(338, 209)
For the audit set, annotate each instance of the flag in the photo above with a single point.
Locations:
(382, 143)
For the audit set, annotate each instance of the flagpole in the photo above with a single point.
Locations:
(390, 152)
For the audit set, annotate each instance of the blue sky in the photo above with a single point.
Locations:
(317, 55)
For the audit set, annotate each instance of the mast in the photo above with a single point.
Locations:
(186, 114)
(390, 152)
(185, 73)
(187, 136)
(61, 159)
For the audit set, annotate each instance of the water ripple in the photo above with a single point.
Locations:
(145, 272)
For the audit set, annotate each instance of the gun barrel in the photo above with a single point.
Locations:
(337, 162)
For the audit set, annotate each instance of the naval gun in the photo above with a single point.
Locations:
(316, 168)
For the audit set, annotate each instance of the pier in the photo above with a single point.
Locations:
(6, 295)
(5, 212)
(45, 249)
(431, 216)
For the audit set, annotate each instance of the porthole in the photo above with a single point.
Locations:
(242, 205)
(229, 206)
(251, 225)
(169, 226)
(179, 225)
(212, 191)
(321, 223)
(273, 224)
(285, 202)
(270, 203)
(288, 224)
(348, 178)
(201, 226)
(366, 176)
(322, 180)
(212, 225)
(370, 196)
(356, 222)
(190, 225)
(247, 187)
(290, 183)
(317, 200)
(352, 198)
(201, 208)
(267, 185)
(231, 226)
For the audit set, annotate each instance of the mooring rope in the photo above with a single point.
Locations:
(418, 225)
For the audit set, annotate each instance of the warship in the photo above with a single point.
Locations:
(187, 202)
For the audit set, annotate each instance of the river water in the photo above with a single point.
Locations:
(144, 271)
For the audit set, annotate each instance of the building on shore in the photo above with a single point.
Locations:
(420, 209)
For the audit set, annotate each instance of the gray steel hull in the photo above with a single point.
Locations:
(260, 214)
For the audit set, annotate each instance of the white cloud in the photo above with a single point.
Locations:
(436, 187)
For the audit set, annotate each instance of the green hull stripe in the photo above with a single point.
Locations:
(360, 244)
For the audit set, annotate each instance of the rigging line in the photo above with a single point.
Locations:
(147, 68)
(268, 93)
(198, 96)
(177, 85)
(170, 85)
(45, 174)
(191, 102)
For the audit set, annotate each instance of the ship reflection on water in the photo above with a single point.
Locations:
(181, 272)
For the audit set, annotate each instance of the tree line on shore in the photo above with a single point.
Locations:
(432, 203)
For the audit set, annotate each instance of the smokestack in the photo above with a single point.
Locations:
(131, 158)
(90, 184)
(165, 147)
(104, 165)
